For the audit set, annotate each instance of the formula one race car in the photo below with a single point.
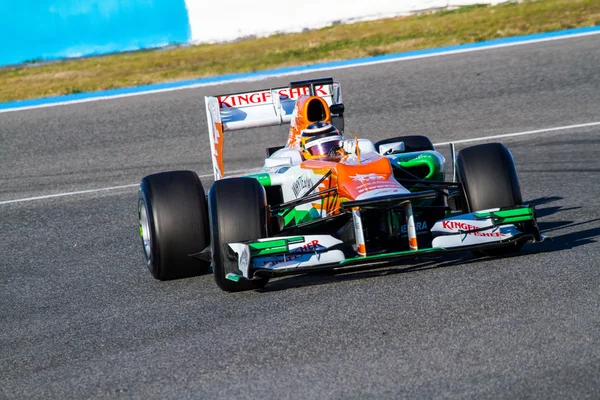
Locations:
(378, 202)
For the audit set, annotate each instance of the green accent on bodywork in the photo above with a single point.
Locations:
(268, 251)
(521, 214)
(268, 245)
(429, 159)
(394, 254)
(299, 216)
(275, 246)
(232, 277)
(264, 179)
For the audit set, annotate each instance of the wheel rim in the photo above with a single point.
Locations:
(145, 232)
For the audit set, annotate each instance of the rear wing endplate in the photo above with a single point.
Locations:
(267, 107)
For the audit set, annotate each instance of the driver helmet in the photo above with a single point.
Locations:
(321, 141)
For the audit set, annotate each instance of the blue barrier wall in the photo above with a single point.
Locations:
(49, 29)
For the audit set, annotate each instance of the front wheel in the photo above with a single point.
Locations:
(238, 213)
(489, 178)
(173, 224)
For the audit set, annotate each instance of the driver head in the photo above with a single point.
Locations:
(321, 141)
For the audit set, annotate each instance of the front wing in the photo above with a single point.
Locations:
(290, 255)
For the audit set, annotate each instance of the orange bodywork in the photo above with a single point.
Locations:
(352, 179)
(302, 117)
(218, 147)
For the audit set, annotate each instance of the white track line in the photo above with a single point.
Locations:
(50, 196)
(506, 135)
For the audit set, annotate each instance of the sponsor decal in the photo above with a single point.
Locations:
(367, 177)
(264, 97)
(302, 183)
(366, 193)
(372, 182)
(463, 226)
(264, 179)
(420, 227)
(313, 245)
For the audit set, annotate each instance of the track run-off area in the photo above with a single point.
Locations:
(80, 317)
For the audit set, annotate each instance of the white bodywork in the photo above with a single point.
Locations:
(389, 148)
(458, 231)
(313, 250)
(450, 233)
(254, 109)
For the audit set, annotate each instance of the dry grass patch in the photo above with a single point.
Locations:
(444, 28)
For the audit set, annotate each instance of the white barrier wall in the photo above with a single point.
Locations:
(225, 20)
(54, 29)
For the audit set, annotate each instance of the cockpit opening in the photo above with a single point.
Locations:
(315, 111)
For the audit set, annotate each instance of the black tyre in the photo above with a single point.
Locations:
(411, 143)
(173, 224)
(489, 179)
(238, 212)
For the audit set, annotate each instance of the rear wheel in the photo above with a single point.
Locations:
(238, 212)
(411, 143)
(173, 224)
(489, 179)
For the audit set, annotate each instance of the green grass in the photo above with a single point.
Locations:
(338, 42)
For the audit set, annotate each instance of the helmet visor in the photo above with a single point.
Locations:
(328, 146)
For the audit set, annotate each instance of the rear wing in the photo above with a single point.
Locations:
(266, 107)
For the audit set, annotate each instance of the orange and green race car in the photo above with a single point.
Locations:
(360, 203)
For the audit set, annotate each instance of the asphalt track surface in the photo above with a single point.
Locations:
(80, 317)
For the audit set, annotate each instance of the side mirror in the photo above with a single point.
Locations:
(336, 109)
(391, 148)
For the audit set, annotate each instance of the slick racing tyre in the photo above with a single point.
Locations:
(489, 178)
(173, 224)
(411, 143)
(238, 212)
